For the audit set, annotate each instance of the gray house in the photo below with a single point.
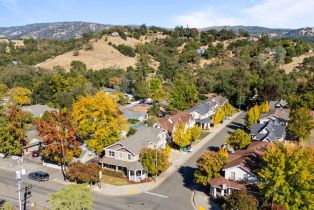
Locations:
(279, 114)
(124, 154)
(271, 131)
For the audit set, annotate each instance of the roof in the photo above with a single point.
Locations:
(247, 159)
(169, 121)
(140, 108)
(142, 138)
(135, 165)
(38, 109)
(135, 111)
(202, 108)
(280, 113)
(278, 104)
(220, 100)
(108, 90)
(270, 131)
(219, 181)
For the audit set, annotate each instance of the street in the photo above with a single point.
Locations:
(174, 193)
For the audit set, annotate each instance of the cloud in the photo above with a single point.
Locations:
(269, 13)
(281, 13)
(200, 19)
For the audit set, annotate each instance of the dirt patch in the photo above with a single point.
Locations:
(295, 62)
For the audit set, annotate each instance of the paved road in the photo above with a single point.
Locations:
(174, 193)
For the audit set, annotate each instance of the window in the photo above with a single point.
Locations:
(246, 176)
(129, 156)
(232, 175)
(111, 153)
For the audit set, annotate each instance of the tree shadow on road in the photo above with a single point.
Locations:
(235, 126)
(187, 172)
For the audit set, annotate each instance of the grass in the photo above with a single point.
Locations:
(117, 181)
(202, 136)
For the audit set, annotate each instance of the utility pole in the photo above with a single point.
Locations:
(63, 160)
(156, 163)
(19, 173)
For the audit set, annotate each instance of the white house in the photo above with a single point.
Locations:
(240, 172)
(124, 154)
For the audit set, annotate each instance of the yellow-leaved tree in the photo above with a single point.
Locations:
(218, 117)
(98, 120)
(182, 136)
(20, 96)
(264, 107)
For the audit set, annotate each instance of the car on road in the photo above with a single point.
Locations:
(38, 176)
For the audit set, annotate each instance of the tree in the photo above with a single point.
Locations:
(183, 92)
(264, 107)
(98, 120)
(209, 166)
(148, 159)
(13, 126)
(182, 136)
(83, 173)
(252, 115)
(78, 67)
(6, 206)
(239, 139)
(72, 197)
(280, 54)
(287, 175)
(3, 90)
(240, 200)
(155, 90)
(20, 96)
(301, 123)
(228, 109)
(218, 117)
(60, 144)
(195, 133)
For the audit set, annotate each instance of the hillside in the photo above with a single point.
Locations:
(295, 62)
(102, 56)
(59, 30)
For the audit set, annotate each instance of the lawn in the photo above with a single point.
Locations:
(202, 136)
(117, 181)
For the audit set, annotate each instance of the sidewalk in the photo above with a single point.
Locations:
(132, 189)
(201, 201)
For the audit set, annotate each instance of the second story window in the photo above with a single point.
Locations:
(111, 153)
(129, 156)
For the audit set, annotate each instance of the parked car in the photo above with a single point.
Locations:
(39, 176)
(35, 153)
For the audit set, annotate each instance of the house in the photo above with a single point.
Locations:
(136, 112)
(115, 34)
(203, 112)
(271, 131)
(109, 90)
(220, 100)
(33, 141)
(201, 51)
(168, 123)
(280, 114)
(240, 172)
(38, 110)
(124, 155)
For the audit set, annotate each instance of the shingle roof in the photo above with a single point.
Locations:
(280, 113)
(202, 108)
(142, 138)
(38, 109)
(169, 121)
(270, 131)
(219, 181)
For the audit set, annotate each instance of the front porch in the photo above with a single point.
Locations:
(204, 123)
(137, 175)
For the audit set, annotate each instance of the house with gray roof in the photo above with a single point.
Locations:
(38, 110)
(124, 154)
(279, 114)
(33, 141)
(271, 131)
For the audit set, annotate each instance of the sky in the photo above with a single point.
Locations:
(165, 13)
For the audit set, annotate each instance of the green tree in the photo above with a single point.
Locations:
(72, 197)
(155, 90)
(3, 90)
(148, 159)
(78, 67)
(301, 123)
(240, 200)
(287, 175)
(209, 166)
(183, 92)
(239, 139)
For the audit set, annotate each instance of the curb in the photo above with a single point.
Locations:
(193, 201)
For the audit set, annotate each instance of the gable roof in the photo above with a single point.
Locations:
(202, 108)
(38, 109)
(142, 138)
(270, 131)
(280, 113)
(247, 159)
(169, 121)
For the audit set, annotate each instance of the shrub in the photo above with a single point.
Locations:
(125, 50)
(109, 172)
(83, 173)
(131, 132)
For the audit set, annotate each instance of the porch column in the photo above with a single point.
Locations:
(222, 192)
(116, 168)
(229, 191)
(214, 192)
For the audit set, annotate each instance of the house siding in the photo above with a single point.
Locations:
(240, 174)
